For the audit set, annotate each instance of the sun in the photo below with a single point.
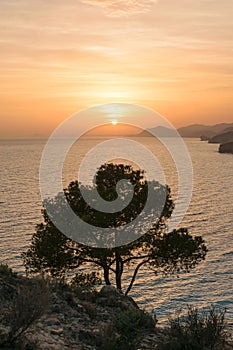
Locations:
(114, 122)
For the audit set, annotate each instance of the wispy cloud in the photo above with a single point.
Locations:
(118, 8)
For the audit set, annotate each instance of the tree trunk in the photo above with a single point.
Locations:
(106, 275)
(119, 270)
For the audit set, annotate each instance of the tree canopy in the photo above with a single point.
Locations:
(51, 252)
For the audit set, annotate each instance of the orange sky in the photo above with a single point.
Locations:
(57, 57)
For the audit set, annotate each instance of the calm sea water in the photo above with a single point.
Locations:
(210, 215)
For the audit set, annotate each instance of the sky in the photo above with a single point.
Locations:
(59, 57)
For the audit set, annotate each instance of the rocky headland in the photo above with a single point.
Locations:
(38, 314)
(222, 138)
(205, 132)
(226, 147)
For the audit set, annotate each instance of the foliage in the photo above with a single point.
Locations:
(128, 322)
(199, 330)
(126, 329)
(88, 281)
(49, 253)
(5, 270)
(29, 304)
(90, 308)
(166, 252)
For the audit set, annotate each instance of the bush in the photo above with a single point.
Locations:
(113, 343)
(128, 323)
(29, 304)
(83, 286)
(126, 328)
(90, 308)
(5, 270)
(199, 330)
(88, 281)
(110, 340)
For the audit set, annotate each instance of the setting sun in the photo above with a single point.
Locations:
(114, 122)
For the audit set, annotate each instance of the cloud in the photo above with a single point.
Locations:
(118, 8)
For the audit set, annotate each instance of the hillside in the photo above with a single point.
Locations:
(222, 138)
(158, 130)
(205, 132)
(37, 314)
(40, 315)
(195, 130)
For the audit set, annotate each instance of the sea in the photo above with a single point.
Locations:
(210, 214)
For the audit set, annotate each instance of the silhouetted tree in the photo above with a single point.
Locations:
(161, 251)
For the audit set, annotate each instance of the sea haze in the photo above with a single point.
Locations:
(210, 215)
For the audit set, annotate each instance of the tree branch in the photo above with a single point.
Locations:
(134, 276)
(112, 262)
(111, 269)
(135, 258)
(91, 261)
(74, 249)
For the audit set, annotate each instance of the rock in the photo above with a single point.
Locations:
(56, 331)
(204, 138)
(52, 322)
(87, 337)
(107, 291)
(112, 297)
(4, 333)
(226, 148)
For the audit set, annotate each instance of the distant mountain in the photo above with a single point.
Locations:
(216, 130)
(226, 148)
(195, 130)
(158, 130)
(222, 138)
(205, 132)
(230, 128)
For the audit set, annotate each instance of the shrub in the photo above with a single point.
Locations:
(128, 323)
(5, 270)
(125, 329)
(83, 286)
(90, 308)
(86, 280)
(199, 330)
(29, 304)
(113, 343)
(110, 340)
